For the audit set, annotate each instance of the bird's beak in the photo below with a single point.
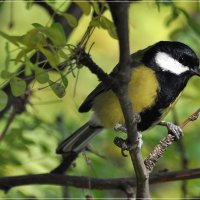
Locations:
(196, 71)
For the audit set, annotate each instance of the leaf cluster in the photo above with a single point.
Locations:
(51, 41)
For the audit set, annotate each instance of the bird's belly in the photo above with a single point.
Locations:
(143, 89)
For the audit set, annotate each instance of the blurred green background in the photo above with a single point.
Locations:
(29, 146)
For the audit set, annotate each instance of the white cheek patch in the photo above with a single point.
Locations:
(167, 63)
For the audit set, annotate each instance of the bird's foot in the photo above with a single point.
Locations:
(125, 146)
(120, 127)
(122, 144)
(173, 129)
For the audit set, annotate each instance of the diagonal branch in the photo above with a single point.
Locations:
(168, 140)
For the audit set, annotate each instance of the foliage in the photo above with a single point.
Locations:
(32, 138)
(51, 42)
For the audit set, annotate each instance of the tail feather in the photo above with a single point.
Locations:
(79, 139)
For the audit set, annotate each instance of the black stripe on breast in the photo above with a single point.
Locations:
(170, 88)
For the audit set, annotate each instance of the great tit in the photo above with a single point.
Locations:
(159, 74)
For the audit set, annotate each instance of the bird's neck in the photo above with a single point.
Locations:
(171, 85)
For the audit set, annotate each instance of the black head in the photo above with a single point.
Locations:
(173, 57)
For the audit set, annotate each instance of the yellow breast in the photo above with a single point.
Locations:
(142, 91)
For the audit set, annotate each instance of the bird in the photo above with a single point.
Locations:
(159, 73)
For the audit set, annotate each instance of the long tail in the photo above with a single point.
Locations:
(79, 139)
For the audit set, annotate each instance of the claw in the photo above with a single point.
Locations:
(125, 146)
(175, 130)
(120, 127)
(122, 144)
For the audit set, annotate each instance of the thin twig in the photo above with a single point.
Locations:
(8, 123)
(159, 149)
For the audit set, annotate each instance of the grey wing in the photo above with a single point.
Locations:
(88, 102)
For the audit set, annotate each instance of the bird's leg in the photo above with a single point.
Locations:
(124, 144)
(175, 130)
(120, 127)
(139, 141)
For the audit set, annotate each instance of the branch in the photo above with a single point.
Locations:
(6, 183)
(119, 13)
(119, 84)
(8, 123)
(66, 162)
(159, 149)
(84, 58)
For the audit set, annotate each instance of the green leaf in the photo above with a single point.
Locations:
(55, 33)
(60, 33)
(13, 39)
(41, 75)
(84, 6)
(107, 24)
(96, 7)
(57, 88)
(6, 74)
(3, 99)
(18, 86)
(112, 32)
(22, 54)
(64, 80)
(71, 19)
(62, 54)
(95, 22)
(7, 60)
(28, 66)
(28, 63)
(27, 71)
(33, 39)
(52, 57)
(37, 25)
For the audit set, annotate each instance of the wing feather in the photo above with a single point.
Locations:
(136, 59)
